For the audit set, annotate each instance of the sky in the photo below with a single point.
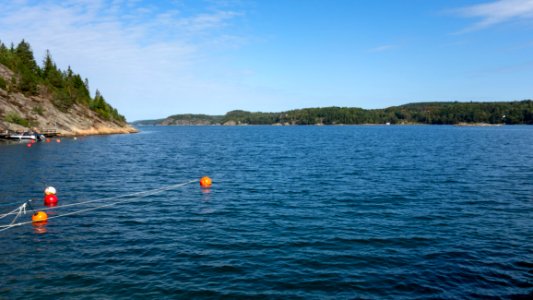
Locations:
(152, 59)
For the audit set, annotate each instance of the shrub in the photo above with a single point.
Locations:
(16, 119)
(38, 110)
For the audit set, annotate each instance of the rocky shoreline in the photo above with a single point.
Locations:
(100, 131)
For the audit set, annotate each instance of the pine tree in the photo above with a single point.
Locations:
(26, 66)
(51, 73)
(25, 55)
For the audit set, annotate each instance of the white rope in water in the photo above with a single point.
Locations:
(140, 194)
(11, 212)
(22, 209)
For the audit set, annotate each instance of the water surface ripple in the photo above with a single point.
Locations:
(372, 212)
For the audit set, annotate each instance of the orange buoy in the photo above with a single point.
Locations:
(48, 140)
(39, 216)
(50, 200)
(205, 182)
(58, 140)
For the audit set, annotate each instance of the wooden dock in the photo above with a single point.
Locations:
(50, 132)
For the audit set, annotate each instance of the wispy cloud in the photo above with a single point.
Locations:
(131, 50)
(497, 12)
(382, 48)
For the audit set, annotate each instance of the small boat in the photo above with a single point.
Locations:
(28, 135)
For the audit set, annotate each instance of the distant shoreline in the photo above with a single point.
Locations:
(328, 125)
(429, 113)
(484, 124)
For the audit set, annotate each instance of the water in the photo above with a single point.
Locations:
(295, 212)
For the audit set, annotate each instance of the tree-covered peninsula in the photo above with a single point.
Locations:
(44, 96)
(515, 112)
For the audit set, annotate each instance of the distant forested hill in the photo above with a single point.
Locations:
(515, 112)
(183, 119)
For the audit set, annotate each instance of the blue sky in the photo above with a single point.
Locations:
(151, 59)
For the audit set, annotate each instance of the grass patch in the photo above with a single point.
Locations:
(3, 83)
(16, 119)
(38, 110)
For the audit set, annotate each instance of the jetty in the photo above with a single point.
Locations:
(50, 132)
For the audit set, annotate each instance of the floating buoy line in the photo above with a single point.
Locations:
(40, 217)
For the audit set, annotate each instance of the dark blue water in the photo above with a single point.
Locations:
(294, 212)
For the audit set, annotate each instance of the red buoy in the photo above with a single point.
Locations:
(50, 200)
(28, 145)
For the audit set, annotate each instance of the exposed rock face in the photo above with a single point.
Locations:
(230, 123)
(171, 121)
(41, 113)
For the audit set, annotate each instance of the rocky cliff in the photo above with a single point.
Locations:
(21, 112)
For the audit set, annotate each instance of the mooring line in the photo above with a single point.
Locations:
(142, 195)
(10, 213)
(149, 192)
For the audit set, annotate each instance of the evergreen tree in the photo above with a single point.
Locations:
(27, 69)
(51, 73)
(25, 55)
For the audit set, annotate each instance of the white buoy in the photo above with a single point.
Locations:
(50, 190)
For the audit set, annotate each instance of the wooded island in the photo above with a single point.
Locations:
(515, 112)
